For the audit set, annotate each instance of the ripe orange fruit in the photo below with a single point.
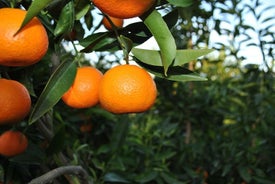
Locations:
(84, 91)
(15, 101)
(124, 8)
(127, 89)
(116, 21)
(27, 46)
(13, 143)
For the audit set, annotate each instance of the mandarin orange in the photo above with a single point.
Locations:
(27, 46)
(13, 143)
(15, 101)
(124, 9)
(116, 21)
(127, 89)
(84, 91)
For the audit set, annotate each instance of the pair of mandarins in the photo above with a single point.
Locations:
(122, 89)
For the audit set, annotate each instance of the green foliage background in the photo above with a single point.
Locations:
(215, 131)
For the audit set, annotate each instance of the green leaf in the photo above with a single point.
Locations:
(34, 9)
(169, 178)
(98, 42)
(66, 20)
(126, 45)
(181, 3)
(174, 73)
(244, 173)
(57, 142)
(163, 36)
(93, 39)
(185, 56)
(262, 180)
(32, 156)
(81, 8)
(119, 135)
(58, 84)
(146, 176)
(152, 57)
(113, 177)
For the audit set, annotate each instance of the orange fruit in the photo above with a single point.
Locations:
(84, 91)
(116, 21)
(127, 89)
(86, 127)
(124, 8)
(13, 143)
(15, 101)
(27, 46)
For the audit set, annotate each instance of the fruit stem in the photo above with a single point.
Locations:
(120, 40)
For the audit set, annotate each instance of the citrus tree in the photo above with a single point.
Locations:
(35, 37)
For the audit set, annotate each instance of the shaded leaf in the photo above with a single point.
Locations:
(66, 20)
(33, 155)
(98, 42)
(174, 73)
(113, 177)
(243, 171)
(81, 8)
(126, 44)
(181, 3)
(34, 9)
(146, 176)
(119, 135)
(57, 142)
(168, 178)
(58, 84)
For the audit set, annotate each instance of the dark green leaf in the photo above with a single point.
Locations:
(113, 177)
(34, 9)
(244, 173)
(169, 178)
(33, 155)
(163, 36)
(126, 43)
(82, 8)
(57, 142)
(262, 180)
(98, 42)
(146, 177)
(58, 84)
(66, 20)
(174, 73)
(181, 3)
(119, 135)
(93, 39)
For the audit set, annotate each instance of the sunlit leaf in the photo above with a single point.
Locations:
(153, 57)
(163, 36)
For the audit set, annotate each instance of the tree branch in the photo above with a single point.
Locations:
(49, 176)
